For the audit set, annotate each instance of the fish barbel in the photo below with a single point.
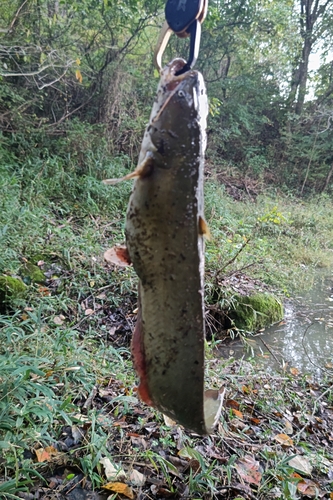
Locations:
(165, 231)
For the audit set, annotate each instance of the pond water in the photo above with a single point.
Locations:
(302, 341)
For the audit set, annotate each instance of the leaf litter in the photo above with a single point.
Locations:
(275, 430)
(148, 459)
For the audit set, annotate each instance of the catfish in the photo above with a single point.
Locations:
(165, 230)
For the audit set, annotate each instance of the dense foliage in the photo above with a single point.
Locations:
(66, 63)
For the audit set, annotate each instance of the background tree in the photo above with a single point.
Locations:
(72, 73)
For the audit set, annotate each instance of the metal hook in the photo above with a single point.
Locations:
(184, 18)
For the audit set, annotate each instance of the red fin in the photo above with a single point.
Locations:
(118, 255)
(139, 361)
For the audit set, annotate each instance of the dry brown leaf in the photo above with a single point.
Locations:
(284, 439)
(288, 427)
(118, 255)
(88, 312)
(238, 413)
(255, 421)
(248, 469)
(308, 488)
(231, 403)
(294, 371)
(121, 488)
(46, 454)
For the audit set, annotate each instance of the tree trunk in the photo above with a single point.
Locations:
(310, 13)
(328, 178)
(303, 75)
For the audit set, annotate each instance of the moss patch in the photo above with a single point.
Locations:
(10, 289)
(32, 274)
(256, 311)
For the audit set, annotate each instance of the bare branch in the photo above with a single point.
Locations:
(16, 16)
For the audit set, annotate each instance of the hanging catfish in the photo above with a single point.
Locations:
(165, 231)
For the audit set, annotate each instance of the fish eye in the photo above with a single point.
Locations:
(181, 93)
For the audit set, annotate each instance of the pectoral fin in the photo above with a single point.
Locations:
(204, 229)
(142, 170)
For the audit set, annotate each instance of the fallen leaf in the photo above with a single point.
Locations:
(194, 465)
(238, 413)
(136, 478)
(139, 442)
(321, 462)
(301, 463)
(231, 403)
(255, 421)
(118, 255)
(57, 320)
(168, 421)
(46, 454)
(294, 371)
(88, 312)
(112, 472)
(284, 439)
(309, 488)
(248, 469)
(160, 491)
(288, 427)
(121, 488)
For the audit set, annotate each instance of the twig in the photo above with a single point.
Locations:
(272, 353)
(16, 16)
(239, 270)
(91, 397)
(235, 256)
(306, 352)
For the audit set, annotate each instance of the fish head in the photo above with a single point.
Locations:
(178, 120)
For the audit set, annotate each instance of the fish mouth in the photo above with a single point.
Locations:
(171, 81)
(169, 73)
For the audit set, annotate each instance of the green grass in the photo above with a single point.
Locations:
(53, 355)
(284, 238)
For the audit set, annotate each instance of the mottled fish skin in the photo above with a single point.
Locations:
(166, 247)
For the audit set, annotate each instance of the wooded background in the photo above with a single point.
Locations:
(77, 74)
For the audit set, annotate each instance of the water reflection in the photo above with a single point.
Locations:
(303, 340)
